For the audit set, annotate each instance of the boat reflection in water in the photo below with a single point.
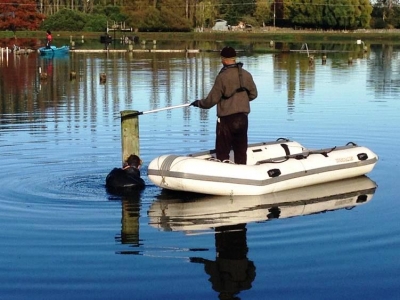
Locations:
(177, 211)
(232, 272)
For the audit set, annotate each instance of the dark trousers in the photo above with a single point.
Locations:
(232, 134)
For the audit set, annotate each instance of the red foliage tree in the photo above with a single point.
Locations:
(19, 14)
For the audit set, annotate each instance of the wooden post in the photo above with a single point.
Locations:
(129, 133)
(103, 78)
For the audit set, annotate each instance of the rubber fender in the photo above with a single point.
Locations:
(362, 156)
(274, 173)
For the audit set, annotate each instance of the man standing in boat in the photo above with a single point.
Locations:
(232, 92)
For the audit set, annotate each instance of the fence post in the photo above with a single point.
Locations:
(129, 133)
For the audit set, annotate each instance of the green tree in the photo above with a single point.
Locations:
(66, 19)
(172, 21)
(386, 14)
(338, 14)
(307, 12)
(341, 15)
(113, 13)
(346, 14)
(163, 15)
(234, 10)
(206, 13)
(263, 12)
(364, 15)
(95, 22)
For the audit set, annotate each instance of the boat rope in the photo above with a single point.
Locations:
(323, 152)
(272, 160)
(298, 156)
(282, 139)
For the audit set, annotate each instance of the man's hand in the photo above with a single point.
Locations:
(195, 103)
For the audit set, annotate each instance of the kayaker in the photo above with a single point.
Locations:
(49, 39)
(232, 92)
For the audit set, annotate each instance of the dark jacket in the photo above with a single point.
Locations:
(122, 181)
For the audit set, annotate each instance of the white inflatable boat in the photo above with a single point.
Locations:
(179, 211)
(271, 167)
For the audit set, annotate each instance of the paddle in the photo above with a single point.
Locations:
(159, 109)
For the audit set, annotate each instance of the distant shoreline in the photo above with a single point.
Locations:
(269, 33)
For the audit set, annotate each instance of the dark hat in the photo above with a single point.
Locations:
(228, 52)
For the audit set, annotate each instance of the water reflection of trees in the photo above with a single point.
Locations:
(163, 79)
(383, 76)
(24, 90)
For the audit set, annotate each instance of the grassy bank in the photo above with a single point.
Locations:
(279, 35)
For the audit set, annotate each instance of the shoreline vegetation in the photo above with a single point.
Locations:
(270, 33)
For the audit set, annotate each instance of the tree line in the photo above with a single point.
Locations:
(187, 15)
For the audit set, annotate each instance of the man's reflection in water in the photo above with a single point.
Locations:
(231, 272)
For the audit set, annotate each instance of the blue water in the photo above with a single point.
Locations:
(64, 237)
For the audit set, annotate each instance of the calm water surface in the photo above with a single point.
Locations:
(64, 237)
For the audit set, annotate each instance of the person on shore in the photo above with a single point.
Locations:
(49, 39)
(232, 92)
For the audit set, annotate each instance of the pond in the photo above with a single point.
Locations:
(64, 237)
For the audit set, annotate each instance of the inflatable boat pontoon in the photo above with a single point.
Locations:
(271, 167)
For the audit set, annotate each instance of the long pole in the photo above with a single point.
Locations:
(130, 129)
(160, 109)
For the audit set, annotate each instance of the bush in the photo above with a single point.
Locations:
(95, 23)
(172, 22)
(152, 19)
(65, 20)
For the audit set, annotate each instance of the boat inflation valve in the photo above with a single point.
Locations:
(362, 156)
(274, 173)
